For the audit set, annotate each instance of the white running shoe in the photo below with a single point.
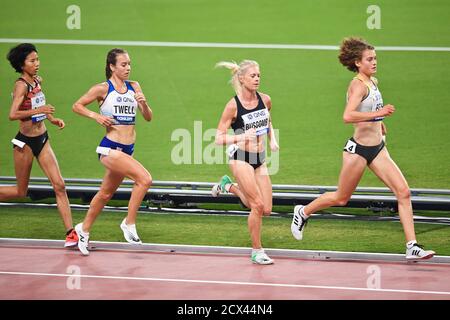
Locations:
(83, 239)
(260, 257)
(416, 252)
(298, 222)
(215, 190)
(130, 233)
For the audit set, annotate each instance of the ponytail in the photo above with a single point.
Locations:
(236, 71)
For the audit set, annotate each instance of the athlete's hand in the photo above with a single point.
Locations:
(250, 134)
(58, 122)
(140, 98)
(47, 109)
(274, 145)
(104, 120)
(387, 110)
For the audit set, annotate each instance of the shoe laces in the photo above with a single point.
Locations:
(265, 257)
(304, 223)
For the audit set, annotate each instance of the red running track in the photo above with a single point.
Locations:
(49, 273)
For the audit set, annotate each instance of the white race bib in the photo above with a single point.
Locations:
(257, 119)
(103, 150)
(350, 146)
(18, 143)
(38, 101)
(231, 150)
(377, 104)
(124, 111)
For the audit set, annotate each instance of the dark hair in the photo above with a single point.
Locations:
(18, 54)
(111, 58)
(351, 50)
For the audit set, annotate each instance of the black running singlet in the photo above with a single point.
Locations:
(257, 118)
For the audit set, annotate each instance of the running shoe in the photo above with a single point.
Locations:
(71, 238)
(260, 257)
(83, 239)
(130, 233)
(220, 187)
(416, 252)
(215, 190)
(299, 222)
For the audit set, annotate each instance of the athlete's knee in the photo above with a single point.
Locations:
(340, 200)
(59, 187)
(104, 196)
(403, 193)
(267, 210)
(145, 181)
(257, 205)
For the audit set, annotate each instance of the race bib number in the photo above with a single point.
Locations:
(350, 146)
(124, 114)
(377, 103)
(38, 101)
(258, 119)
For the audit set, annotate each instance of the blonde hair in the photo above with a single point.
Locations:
(236, 71)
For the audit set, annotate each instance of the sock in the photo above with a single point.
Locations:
(409, 244)
(256, 251)
(82, 230)
(69, 231)
(302, 214)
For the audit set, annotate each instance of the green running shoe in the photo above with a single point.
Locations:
(220, 187)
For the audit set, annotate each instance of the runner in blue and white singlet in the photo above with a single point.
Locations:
(121, 107)
(119, 100)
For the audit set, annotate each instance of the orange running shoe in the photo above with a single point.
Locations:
(71, 238)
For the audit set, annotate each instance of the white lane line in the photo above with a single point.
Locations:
(211, 45)
(221, 282)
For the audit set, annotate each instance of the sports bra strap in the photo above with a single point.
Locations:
(129, 86)
(358, 78)
(29, 86)
(110, 87)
